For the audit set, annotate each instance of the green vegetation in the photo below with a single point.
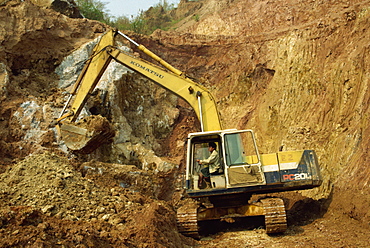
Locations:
(94, 10)
(156, 17)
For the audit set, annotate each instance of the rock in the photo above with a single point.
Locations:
(47, 208)
(66, 7)
(106, 217)
(4, 81)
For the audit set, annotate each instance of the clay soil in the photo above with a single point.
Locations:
(53, 198)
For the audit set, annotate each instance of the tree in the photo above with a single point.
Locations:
(156, 17)
(122, 23)
(94, 10)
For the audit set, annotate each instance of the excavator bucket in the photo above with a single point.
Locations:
(86, 135)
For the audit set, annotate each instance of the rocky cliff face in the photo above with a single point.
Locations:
(296, 72)
(34, 43)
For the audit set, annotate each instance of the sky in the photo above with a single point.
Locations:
(131, 7)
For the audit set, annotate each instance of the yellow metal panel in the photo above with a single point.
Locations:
(290, 156)
(253, 159)
(269, 162)
(289, 160)
(269, 159)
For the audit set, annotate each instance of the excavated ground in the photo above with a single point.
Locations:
(261, 66)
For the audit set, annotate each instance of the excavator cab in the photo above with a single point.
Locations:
(240, 163)
(244, 169)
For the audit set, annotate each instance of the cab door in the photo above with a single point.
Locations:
(242, 160)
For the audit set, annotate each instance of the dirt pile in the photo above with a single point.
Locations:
(118, 200)
(52, 184)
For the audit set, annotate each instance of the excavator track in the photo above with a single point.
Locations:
(187, 222)
(275, 216)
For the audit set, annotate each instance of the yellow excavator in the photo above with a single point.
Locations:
(242, 171)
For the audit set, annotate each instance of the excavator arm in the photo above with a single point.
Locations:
(84, 138)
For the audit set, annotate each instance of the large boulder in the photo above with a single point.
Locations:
(66, 7)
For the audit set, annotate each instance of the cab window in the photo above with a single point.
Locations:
(240, 149)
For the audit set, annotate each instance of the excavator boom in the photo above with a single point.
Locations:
(85, 137)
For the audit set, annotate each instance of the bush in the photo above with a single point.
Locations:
(156, 17)
(94, 10)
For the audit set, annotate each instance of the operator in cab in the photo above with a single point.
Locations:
(209, 166)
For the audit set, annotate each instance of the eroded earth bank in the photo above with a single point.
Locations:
(296, 72)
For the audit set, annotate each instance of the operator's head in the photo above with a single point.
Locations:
(212, 145)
